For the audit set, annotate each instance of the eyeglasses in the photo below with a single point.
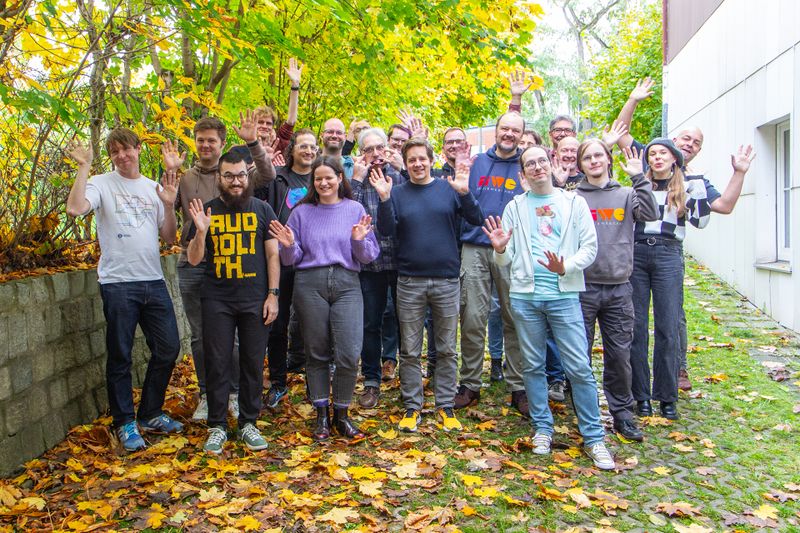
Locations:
(376, 148)
(531, 163)
(562, 130)
(230, 178)
(450, 142)
(312, 147)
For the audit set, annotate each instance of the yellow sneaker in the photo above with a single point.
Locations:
(410, 421)
(449, 420)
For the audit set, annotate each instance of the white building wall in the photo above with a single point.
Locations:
(736, 78)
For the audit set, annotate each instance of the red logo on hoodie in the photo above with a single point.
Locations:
(497, 182)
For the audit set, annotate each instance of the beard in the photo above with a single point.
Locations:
(236, 201)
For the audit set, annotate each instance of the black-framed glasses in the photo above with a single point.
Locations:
(230, 178)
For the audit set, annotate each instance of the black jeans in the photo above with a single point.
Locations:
(146, 303)
(611, 305)
(278, 343)
(657, 270)
(221, 321)
(374, 288)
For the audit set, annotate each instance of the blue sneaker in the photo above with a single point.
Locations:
(161, 424)
(275, 395)
(130, 437)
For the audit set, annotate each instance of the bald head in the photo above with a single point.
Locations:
(333, 136)
(508, 133)
(689, 141)
(567, 154)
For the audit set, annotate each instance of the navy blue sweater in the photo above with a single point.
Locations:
(425, 220)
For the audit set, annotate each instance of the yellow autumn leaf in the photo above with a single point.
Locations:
(156, 517)
(390, 434)
(405, 470)
(662, 470)
(247, 523)
(766, 512)
(339, 515)
(33, 503)
(365, 472)
(77, 525)
(370, 488)
(211, 495)
(514, 501)
(486, 426)
(487, 492)
(468, 511)
(470, 480)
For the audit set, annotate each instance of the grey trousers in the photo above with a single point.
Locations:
(330, 308)
(414, 295)
(478, 270)
(190, 280)
(612, 306)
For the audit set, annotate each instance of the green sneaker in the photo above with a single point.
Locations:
(217, 437)
(252, 438)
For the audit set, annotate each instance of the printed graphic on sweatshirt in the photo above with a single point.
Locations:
(234, 239)
(295, 195)
(132, 211)
(610, 216)
(497, 183)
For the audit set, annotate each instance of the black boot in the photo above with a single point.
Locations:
(322, 430)
(344, 426)
(497, 370)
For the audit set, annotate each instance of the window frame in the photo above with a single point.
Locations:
(783, 192)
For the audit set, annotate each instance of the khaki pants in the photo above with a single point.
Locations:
(478, 271)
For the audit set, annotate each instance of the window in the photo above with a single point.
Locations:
(783, 192)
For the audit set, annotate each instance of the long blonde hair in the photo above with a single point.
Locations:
(676, 193)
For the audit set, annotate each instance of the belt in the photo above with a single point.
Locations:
(652, 241)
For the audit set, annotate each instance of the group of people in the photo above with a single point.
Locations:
(331, 258)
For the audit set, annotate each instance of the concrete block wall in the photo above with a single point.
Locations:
(52, 358)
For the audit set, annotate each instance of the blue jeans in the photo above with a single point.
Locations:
(657, 269)
(566, 321)
(374, 288)
(146, 303)
(495, 327)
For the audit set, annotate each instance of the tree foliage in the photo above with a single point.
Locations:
(634, 52)
(78, 68)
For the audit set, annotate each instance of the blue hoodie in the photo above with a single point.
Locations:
(493, 182)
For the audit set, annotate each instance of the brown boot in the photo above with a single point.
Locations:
(389, 368)
(466, 397)
(344, 426)
(369, 398)
(683, 380)
(322, 429)
(519, 400)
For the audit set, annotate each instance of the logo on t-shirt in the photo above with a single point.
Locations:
(545, 215)
(295, 195)
(131, 210)
(234, 236)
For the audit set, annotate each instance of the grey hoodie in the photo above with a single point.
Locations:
(615, 209)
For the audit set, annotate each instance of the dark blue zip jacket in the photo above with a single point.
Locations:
(493, 182)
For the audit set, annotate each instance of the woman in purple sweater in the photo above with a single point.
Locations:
(327, 238)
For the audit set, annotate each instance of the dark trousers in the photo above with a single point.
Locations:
(611, 305)
(374, 288)
(657, 270)
(390, 329)
(331, 309)
(279, 333)
(221, 321)
(146, 303)
(553, 369)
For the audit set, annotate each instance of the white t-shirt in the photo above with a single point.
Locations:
(129, 214)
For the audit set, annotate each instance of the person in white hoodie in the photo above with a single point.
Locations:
(548, 237)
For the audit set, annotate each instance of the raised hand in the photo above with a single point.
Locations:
(294, 72)
(522, 181)
(394, 158)
(554, 264)
(362, 228)
(202, 220)
(633, 161)
(519, 82)
(460, 181)
(356, 126)
(381, 183)
(643, 89)
(247, 129)
(612, 134)
(742, 159)
(168, 190)
(170, 155)
(560, 171)
(283, 234)
(359, 169)
(80, 153)
(493, 229)
(463, 156)
(414, 124)
(278, 160)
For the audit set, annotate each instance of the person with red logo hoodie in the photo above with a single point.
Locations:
(608, 295)
(494, 181)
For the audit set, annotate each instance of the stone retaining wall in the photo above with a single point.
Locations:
(52, 358)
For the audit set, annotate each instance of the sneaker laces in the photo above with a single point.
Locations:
(128, 430)
(216, 436)
(250, 432)
(600, 452)
(541, 440)
(410, 413)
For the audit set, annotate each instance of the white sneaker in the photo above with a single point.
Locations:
(541, 443)
(201, 413)
(233, 405)
(600, 455)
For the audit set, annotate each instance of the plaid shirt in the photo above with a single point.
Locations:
(366, 195)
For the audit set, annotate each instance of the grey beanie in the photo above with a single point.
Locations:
(663, 141)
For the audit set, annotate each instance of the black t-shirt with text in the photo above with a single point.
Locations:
(236, 263)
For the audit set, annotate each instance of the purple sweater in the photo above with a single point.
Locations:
(322, 237)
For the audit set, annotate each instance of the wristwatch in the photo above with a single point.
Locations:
(276, 292)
